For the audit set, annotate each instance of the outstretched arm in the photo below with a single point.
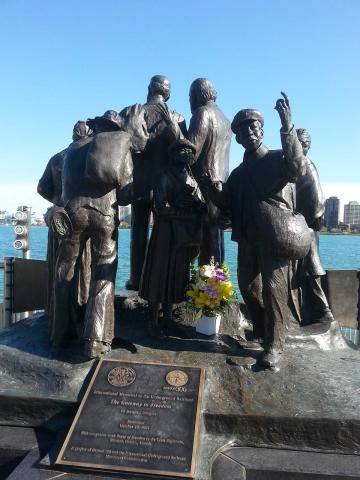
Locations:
(295, 162)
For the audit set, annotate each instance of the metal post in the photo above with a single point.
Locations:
(26, 255)
(10, 316)
(27, 252)
(22, 242)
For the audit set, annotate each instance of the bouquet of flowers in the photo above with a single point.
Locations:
(210, 289)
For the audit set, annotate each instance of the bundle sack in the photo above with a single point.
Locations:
(108, 160)
(282, 230)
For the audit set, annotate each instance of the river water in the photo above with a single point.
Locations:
(338, 252)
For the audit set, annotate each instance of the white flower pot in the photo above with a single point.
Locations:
(208, 325)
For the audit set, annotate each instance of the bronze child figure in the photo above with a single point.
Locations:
(175, 239)
(310, 201)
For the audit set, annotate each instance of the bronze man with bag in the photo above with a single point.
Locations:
(50, 188)
(96, 173)
(260, 198)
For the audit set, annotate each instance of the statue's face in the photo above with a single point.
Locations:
(183, 156)
(166, 87)
(194, 99)
(305, 146)
(249, 134)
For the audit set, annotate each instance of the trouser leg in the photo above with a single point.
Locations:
(276, 294)
(99, 316)
(140, 218)
(317, 298)
(250, 285)
(64, 312)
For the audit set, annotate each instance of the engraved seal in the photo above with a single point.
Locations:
(177, 378)
(121, 376)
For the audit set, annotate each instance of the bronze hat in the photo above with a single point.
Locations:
(245, 115)
(181, 143)
(110, 118)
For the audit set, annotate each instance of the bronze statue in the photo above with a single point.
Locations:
(310, 202)
(95, 172)
(50, 188)
(260, 198)
(147, 167)
(175, 238)
(210, 132)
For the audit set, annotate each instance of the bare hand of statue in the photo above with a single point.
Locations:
(283, 108)
(173, 128)
(217, 186)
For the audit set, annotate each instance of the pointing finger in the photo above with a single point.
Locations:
(286, 98)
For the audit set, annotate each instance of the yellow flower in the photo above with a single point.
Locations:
(192, 292)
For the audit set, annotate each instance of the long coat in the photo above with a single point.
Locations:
(166, 269)
(310, 201)
(149, 163)
(210, 132)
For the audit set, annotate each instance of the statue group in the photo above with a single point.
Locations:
(147, 157)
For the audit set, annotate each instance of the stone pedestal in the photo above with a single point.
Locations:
(311, 404)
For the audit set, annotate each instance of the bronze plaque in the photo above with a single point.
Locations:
(137, 417)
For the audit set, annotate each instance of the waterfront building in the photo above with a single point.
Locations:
(125, 214)
(331, 216)
(352, 213)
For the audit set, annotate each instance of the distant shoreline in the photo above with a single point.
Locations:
(227, 230)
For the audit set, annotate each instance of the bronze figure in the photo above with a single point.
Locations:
(95, 172)
(210, 132)
(50, 188)
(260, 199)
(175, 239)
(147, 167)
(310, 202)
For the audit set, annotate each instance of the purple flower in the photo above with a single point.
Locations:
(212, 290)
(220, 275)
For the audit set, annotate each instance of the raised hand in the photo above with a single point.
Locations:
(173, 129)
(283, 108)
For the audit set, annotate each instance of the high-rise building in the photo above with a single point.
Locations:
(352, 213)
(331, 216)
(125, 214)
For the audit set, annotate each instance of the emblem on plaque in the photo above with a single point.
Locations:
(177, 378)
(121, 376)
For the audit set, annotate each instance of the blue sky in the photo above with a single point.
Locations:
(69, 60)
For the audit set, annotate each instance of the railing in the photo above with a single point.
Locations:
(10, 306)
(2, 316)
(7, 316)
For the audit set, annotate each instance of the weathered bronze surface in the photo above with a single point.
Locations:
(137, 418)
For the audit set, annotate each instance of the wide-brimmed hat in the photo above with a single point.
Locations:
(181, 143)
(245, 115)
(110, 118)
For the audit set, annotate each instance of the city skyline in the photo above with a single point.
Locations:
(12, 196)
(38, 212)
